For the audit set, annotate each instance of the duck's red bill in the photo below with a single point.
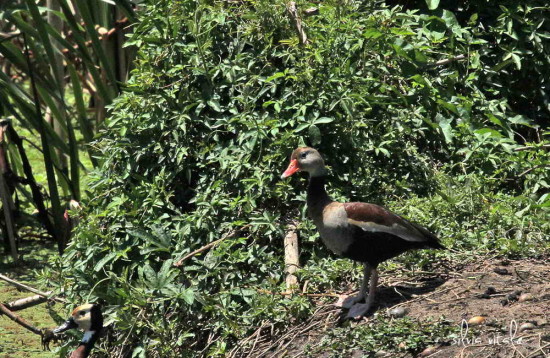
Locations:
(292, 168)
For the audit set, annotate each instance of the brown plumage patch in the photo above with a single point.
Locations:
(371, 213)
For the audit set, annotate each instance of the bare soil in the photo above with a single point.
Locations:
(510, 295)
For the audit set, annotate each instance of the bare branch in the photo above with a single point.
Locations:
(31, 289)
(521, 149)
(26, 302)
(533, 168)
(209, 246)
(19, 320)
(447, 60)
(293, 11)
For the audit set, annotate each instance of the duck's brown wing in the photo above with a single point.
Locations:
(376, 219)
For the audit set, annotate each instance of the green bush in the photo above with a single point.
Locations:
(221, 94)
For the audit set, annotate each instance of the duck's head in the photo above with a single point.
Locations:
(305, 159)
(87, 317)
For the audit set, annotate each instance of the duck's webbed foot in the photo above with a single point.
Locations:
(351, 301)
(358, 310)
(47, 336)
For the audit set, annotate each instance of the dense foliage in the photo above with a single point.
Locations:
(62, 62)
(428, 112)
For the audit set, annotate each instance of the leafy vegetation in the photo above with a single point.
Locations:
(437, 114)
(62, 63)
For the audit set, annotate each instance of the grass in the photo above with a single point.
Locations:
(16, 341)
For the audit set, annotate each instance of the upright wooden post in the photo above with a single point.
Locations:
(292, 256)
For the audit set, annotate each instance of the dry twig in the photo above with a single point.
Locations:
(521, 149)
(209, 246)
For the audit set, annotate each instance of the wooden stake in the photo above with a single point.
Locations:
(292, 256)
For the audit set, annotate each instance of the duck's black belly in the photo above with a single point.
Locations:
(376, 247)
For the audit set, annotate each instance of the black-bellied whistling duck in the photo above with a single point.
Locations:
(88, 318)
(362, 232)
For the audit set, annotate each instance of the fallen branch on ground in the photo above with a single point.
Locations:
(26, 302)
(31, 289)
(19, 320)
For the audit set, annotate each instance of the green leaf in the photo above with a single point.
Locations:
(301, 127)
(517, 61)
(275, 76)
(314, 135)
(104, 260)
(215, 105)
(521, 119)
(323, 120)
(432, 4)
(446, 128)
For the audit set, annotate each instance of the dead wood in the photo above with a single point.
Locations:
(26, 302)
(292, 256)
(19, 320)
(293, 11)
(31, 289)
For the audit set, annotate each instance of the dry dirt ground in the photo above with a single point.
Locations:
(510, 295)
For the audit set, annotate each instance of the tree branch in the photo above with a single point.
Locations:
(533, 168)
(447, 60)
(521, 149)
(26, 302)
(293, 11)
(30, 289)
(35, 189)
(208, 246)
(19, 320)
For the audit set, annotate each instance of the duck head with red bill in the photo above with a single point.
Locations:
(308, 160)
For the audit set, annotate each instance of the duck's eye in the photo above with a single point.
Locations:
(303, 155)
(82, 313)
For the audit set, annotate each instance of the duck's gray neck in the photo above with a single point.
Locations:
(86, 345)
(317, 197)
